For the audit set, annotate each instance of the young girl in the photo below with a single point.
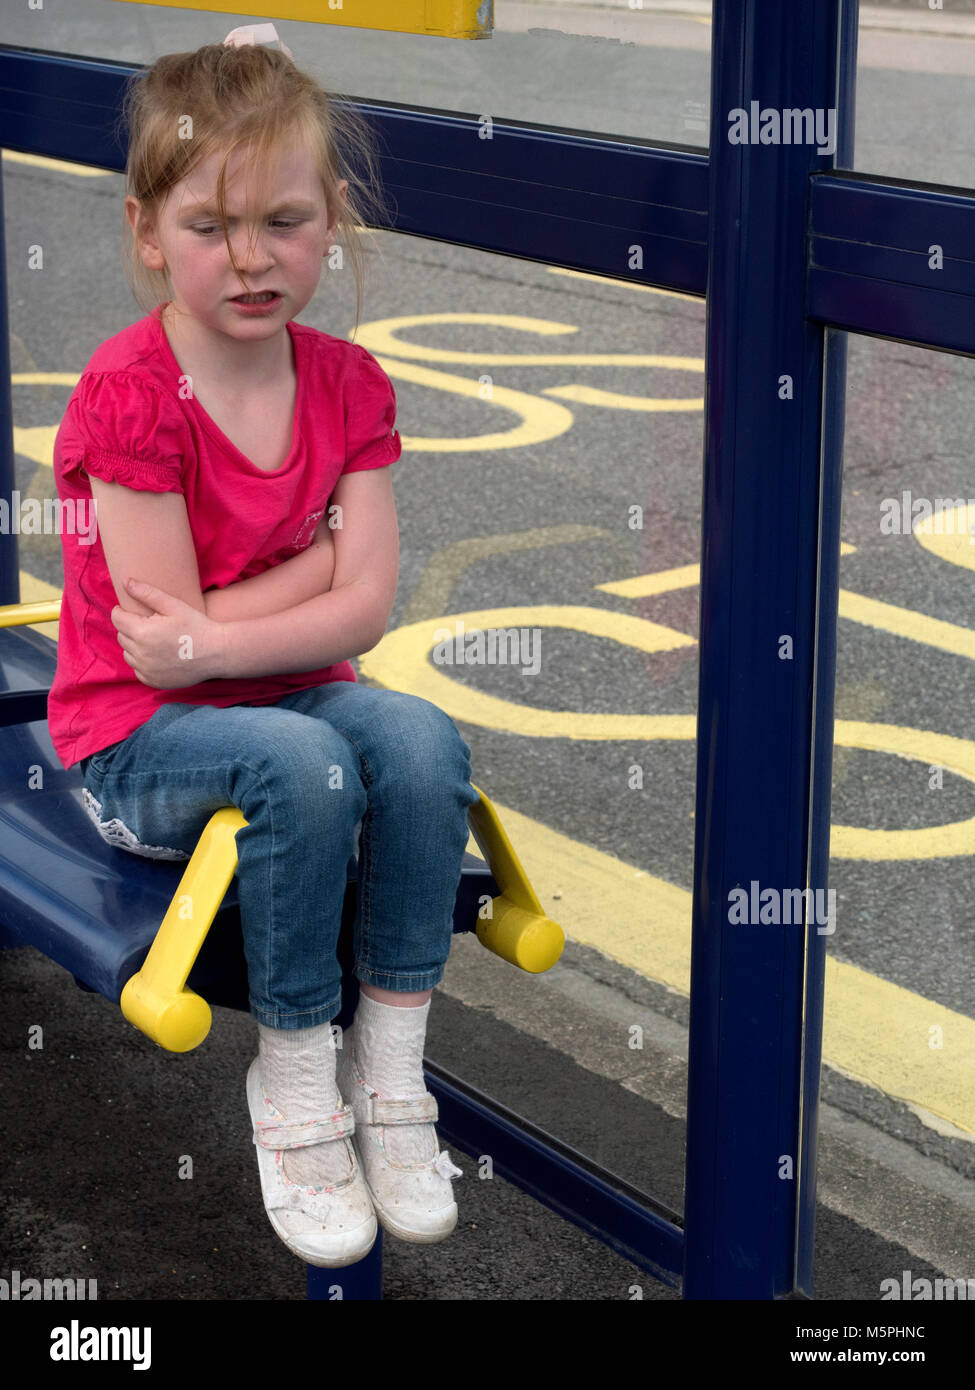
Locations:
(246, 548)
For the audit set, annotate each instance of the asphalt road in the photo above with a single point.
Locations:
(521, 525)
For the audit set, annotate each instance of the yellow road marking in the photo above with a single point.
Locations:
(666, 581)
(400, 662)
(64, 166)
(874, 1031)
(380, 337)
(540, 421)
(871, 612)
(955, 545)
(646, 585)
(45, 378)
(904, 622)
(36, 443)
(630, 284)
(616, 400)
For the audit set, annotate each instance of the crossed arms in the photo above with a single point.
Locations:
(323, 606)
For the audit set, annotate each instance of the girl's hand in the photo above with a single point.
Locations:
(175, 647)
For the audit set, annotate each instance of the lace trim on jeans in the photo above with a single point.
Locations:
(116, 832)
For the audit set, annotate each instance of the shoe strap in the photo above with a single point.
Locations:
(416, 1111)
(287, 1134)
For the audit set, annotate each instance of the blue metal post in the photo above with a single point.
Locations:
(770, 551)
(831, 497)
(9, 562)
(362, 1281)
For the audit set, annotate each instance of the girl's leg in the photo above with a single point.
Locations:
(415, 769)
(389, 996)
(296, 781)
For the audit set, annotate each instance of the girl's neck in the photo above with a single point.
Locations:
(229, 367)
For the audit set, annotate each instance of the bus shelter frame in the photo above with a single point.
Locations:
(791, 250)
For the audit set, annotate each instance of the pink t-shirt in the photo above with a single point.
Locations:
(127, 423)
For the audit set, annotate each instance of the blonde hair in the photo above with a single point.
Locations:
(249, 97)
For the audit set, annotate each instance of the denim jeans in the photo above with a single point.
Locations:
(305, 772)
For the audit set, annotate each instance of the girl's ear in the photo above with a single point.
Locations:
(341, 190)
(149, 249)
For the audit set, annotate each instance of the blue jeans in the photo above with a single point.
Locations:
(305, 772)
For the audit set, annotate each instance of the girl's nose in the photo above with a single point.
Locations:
(250, 245)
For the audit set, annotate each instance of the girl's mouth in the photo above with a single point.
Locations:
(265, 302)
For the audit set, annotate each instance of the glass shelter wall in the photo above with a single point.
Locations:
(557, 505)
(577, 66)
(899, 1033)
(551, 488)
(915, 88)
(901, 974)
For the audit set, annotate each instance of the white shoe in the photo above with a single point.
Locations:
(325, 1226)
(413, 1201)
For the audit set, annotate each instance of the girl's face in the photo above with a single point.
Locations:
(280, 248)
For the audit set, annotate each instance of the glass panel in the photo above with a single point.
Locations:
(616, 71)
(915, 93)
(898, 1109)
(571, 515)
(550, 484)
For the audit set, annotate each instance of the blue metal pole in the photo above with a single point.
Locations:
(773, 442)
(9, 562)
(362, 1281)
(831, 497)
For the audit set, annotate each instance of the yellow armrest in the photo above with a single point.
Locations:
(156, 999)
(21, 614)
(518, 929)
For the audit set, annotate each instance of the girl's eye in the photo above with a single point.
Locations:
(277, 222)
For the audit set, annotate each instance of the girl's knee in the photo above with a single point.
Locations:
(307, 767)
(425, 759)
(432, 735)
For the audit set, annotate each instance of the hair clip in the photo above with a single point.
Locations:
(247, 34)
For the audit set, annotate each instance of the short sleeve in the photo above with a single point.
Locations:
(125, 429)
(371, 439)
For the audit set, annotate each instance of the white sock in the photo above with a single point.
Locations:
(298, 1074)
(388, 1044)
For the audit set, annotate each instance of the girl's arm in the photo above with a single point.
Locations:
(348, 620)
(295, 580)
(146, 535)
